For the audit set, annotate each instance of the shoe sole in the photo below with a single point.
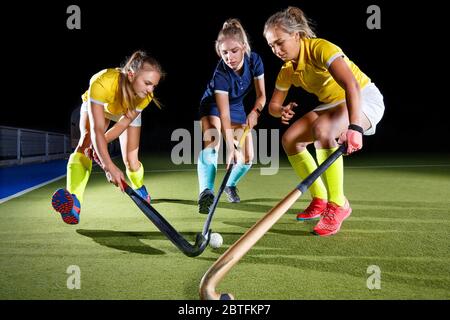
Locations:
(204, 209)
(62, 202)
(306, 219)
(231, 200)
(70, 218)
(337, 230)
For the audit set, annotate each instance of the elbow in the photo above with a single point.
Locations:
(274, 110)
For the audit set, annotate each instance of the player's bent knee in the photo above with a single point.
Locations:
(248, 158)
(289, 144)
(212, 144)
(84, 142)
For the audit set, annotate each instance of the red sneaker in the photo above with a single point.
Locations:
(332, 219)
(314, 210)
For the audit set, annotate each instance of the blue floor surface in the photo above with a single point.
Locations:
(19, 178)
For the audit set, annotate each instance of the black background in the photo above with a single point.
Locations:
(48, 66)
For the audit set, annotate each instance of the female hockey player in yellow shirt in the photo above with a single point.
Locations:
(351, 105)
(119, 95)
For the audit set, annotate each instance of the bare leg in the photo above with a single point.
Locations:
(299, 134)
(129, 146)
(211, 127)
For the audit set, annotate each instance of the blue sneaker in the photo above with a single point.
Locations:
(67, 205)
(142, 192)
(232, 194)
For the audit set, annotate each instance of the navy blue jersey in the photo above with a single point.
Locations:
(227, 81)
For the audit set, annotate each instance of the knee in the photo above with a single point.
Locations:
(248, 157)
(211, 138)
(291, 146)
(84, 142)
(287, 142)
(215, 144)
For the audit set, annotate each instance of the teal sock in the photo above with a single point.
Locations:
(237, 173)
(206, 168)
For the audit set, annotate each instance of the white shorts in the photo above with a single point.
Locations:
(135, 123)
(372, 106)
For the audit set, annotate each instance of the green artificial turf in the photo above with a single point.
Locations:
(400, 223)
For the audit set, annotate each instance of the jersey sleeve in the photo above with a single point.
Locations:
(98, 93)
(283, 82)
(221, 83)
(258, 66)
(325, 52)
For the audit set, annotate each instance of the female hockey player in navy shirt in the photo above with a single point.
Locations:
(222, 110)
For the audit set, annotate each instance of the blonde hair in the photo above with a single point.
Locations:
(139, 60)
(291, 20)
(232, 28)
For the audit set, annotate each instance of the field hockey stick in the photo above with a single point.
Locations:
(162, 224)
(206, 231)
(225, 262)
(165, 227)
(201, 240)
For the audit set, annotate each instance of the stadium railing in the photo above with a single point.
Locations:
(21, 146)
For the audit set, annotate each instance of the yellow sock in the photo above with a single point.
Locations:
(79, 169)
(303, 164)
(136, 177)
(334, 176)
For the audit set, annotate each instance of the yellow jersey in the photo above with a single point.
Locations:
(316, 55)
(103, 89)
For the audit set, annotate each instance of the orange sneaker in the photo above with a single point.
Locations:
(332, 219)
(314, 210)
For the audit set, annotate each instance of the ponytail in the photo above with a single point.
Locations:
(291, 20)
(232, 28)
(139, 60)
